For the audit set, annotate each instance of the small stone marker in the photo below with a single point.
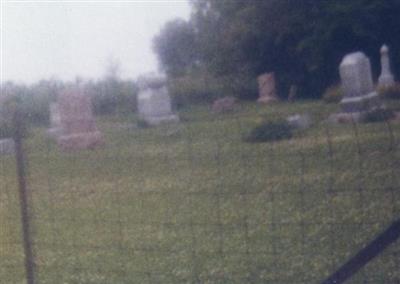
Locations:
(386, 78)
(154, 102)
(266, 88)
(292, 93)
(299, 121)
(225, 104)
(55, 129)
(7, 146)
(357, 84)
(78, 127)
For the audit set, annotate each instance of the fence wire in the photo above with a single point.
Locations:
(194, 203)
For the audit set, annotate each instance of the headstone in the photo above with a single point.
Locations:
(154, 102)
(292, 93)
(78, 127)
(386, 78)
(7, 146)
(225, 104)
(266, 88)
(55, 129)
(299, 121)
(357, 84)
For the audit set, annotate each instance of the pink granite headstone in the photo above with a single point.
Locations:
(266, 88)
(78, 127)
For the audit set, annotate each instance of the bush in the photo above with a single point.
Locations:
(6, 130)
(9, 107)
(379, 115)
(270, 131)
(201, 87)
(333, 94)
(392, 92)
(112, 96)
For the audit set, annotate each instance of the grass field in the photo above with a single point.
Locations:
(196, 204)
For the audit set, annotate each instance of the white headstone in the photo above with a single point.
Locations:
(357, 84)
(299, 121)
(154, 102)
(386, 78)
(55, 121)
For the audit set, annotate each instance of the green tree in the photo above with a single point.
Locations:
(175, 47)
(303, 41)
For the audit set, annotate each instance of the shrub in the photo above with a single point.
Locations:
(270, 131)
(201, 87)
(192, 89)
(333, 94)
(6, 130)
(379, 115)
(8, 109)
(112, 96)
(392, 92)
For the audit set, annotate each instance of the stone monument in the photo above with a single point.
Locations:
(386, 78)
(154, 102)
(292, 93)
(299, 121)
(55, 129)
(78, 127)
(357, 85)
(266, 88)
(359, 96)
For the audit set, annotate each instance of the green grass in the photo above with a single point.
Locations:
(196, 204)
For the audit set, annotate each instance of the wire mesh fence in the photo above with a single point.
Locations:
(194, 203)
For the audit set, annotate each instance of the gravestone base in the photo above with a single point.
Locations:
(157, 120)
(361, 103)
(80, 141)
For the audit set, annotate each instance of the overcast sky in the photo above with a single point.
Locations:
(65, 39)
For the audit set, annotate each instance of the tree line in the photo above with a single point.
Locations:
(302, 41)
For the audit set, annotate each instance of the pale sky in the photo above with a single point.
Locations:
(65, 39)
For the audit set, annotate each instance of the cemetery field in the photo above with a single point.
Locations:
(194, 203)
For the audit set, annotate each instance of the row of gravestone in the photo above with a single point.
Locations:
(359, 94)
(73, 124)
(72, 121)
(351, 75)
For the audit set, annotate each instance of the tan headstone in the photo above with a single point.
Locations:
(266, 88)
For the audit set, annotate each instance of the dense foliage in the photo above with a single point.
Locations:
(270, 131)
(303, 41)
(109, 95)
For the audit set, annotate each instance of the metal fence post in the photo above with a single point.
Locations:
(23, 198)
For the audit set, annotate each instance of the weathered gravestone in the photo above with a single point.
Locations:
(266, 88)
(357, 85)
(154, 102)
(292, 93)
(78, 127)
(225, 104)
(55, 129)
(299, 121)
(386, 78)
